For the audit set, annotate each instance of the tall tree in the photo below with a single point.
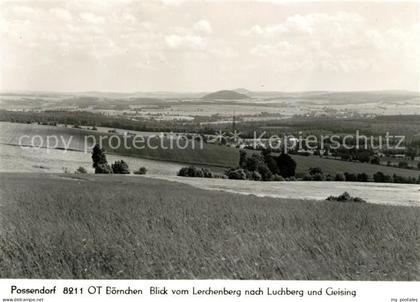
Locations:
(99, 161)
(286, 165)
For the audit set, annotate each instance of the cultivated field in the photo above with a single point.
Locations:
(90, 226)
(332, 166)
(191, 153)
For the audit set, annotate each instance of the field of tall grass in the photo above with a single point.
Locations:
(110, 226)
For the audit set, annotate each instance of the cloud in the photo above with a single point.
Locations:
(185, 42)
(61, 14)
(259, 43)
(307, 25)
(283, 48)
(173, 2)
(203, 26)
(24, 12)
(92, 18)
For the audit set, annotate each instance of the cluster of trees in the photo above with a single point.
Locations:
(192, 171)
(353, 154)
(381, 177)
(263, 166)
(316, 174)
(101, 165)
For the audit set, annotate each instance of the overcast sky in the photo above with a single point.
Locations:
(175, 45)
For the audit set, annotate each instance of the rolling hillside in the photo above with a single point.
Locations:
(188, 152)
(122, 227)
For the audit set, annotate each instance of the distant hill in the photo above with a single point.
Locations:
(225, 95)
(243, 91)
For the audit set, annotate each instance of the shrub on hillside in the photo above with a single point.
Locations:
(141, 171)
(270, 161)
(345, 197)
(120, 167)
(80, 170)
(381, 177)
(255, 175)
(257, 163)
(362, 177)
(375, 161)
(318, 177)
(236, 174)
(265, 172)
(403, 164)
(329, 177)
(316, 174)
(193, 171)
(277, 177)
(339, 177)
(350, 176)
(314, 171)
(402, 179)
(307, 177)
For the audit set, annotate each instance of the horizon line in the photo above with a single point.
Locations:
(201, 91)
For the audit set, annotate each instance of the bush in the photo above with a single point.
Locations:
(345, 197)
(307, 177)
(120, 167)
(103, 169)
(362, 177)
(270, 161)
(381, 177)
(190, 171)
(350, 176)
(141, 171)
(286, 165)
(207, 173)
(257, 163)
(242, 158)
(403, 164)
(402, 179)
(80, 170)
(256, 176)
(265, 172)
(339, 177)
(317, 177)
(277, 177)
(314, 171)
(236, 174)
(329, 177)
(193, 171)
(375, 161)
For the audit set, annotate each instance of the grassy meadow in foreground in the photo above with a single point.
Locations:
(68, 226)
